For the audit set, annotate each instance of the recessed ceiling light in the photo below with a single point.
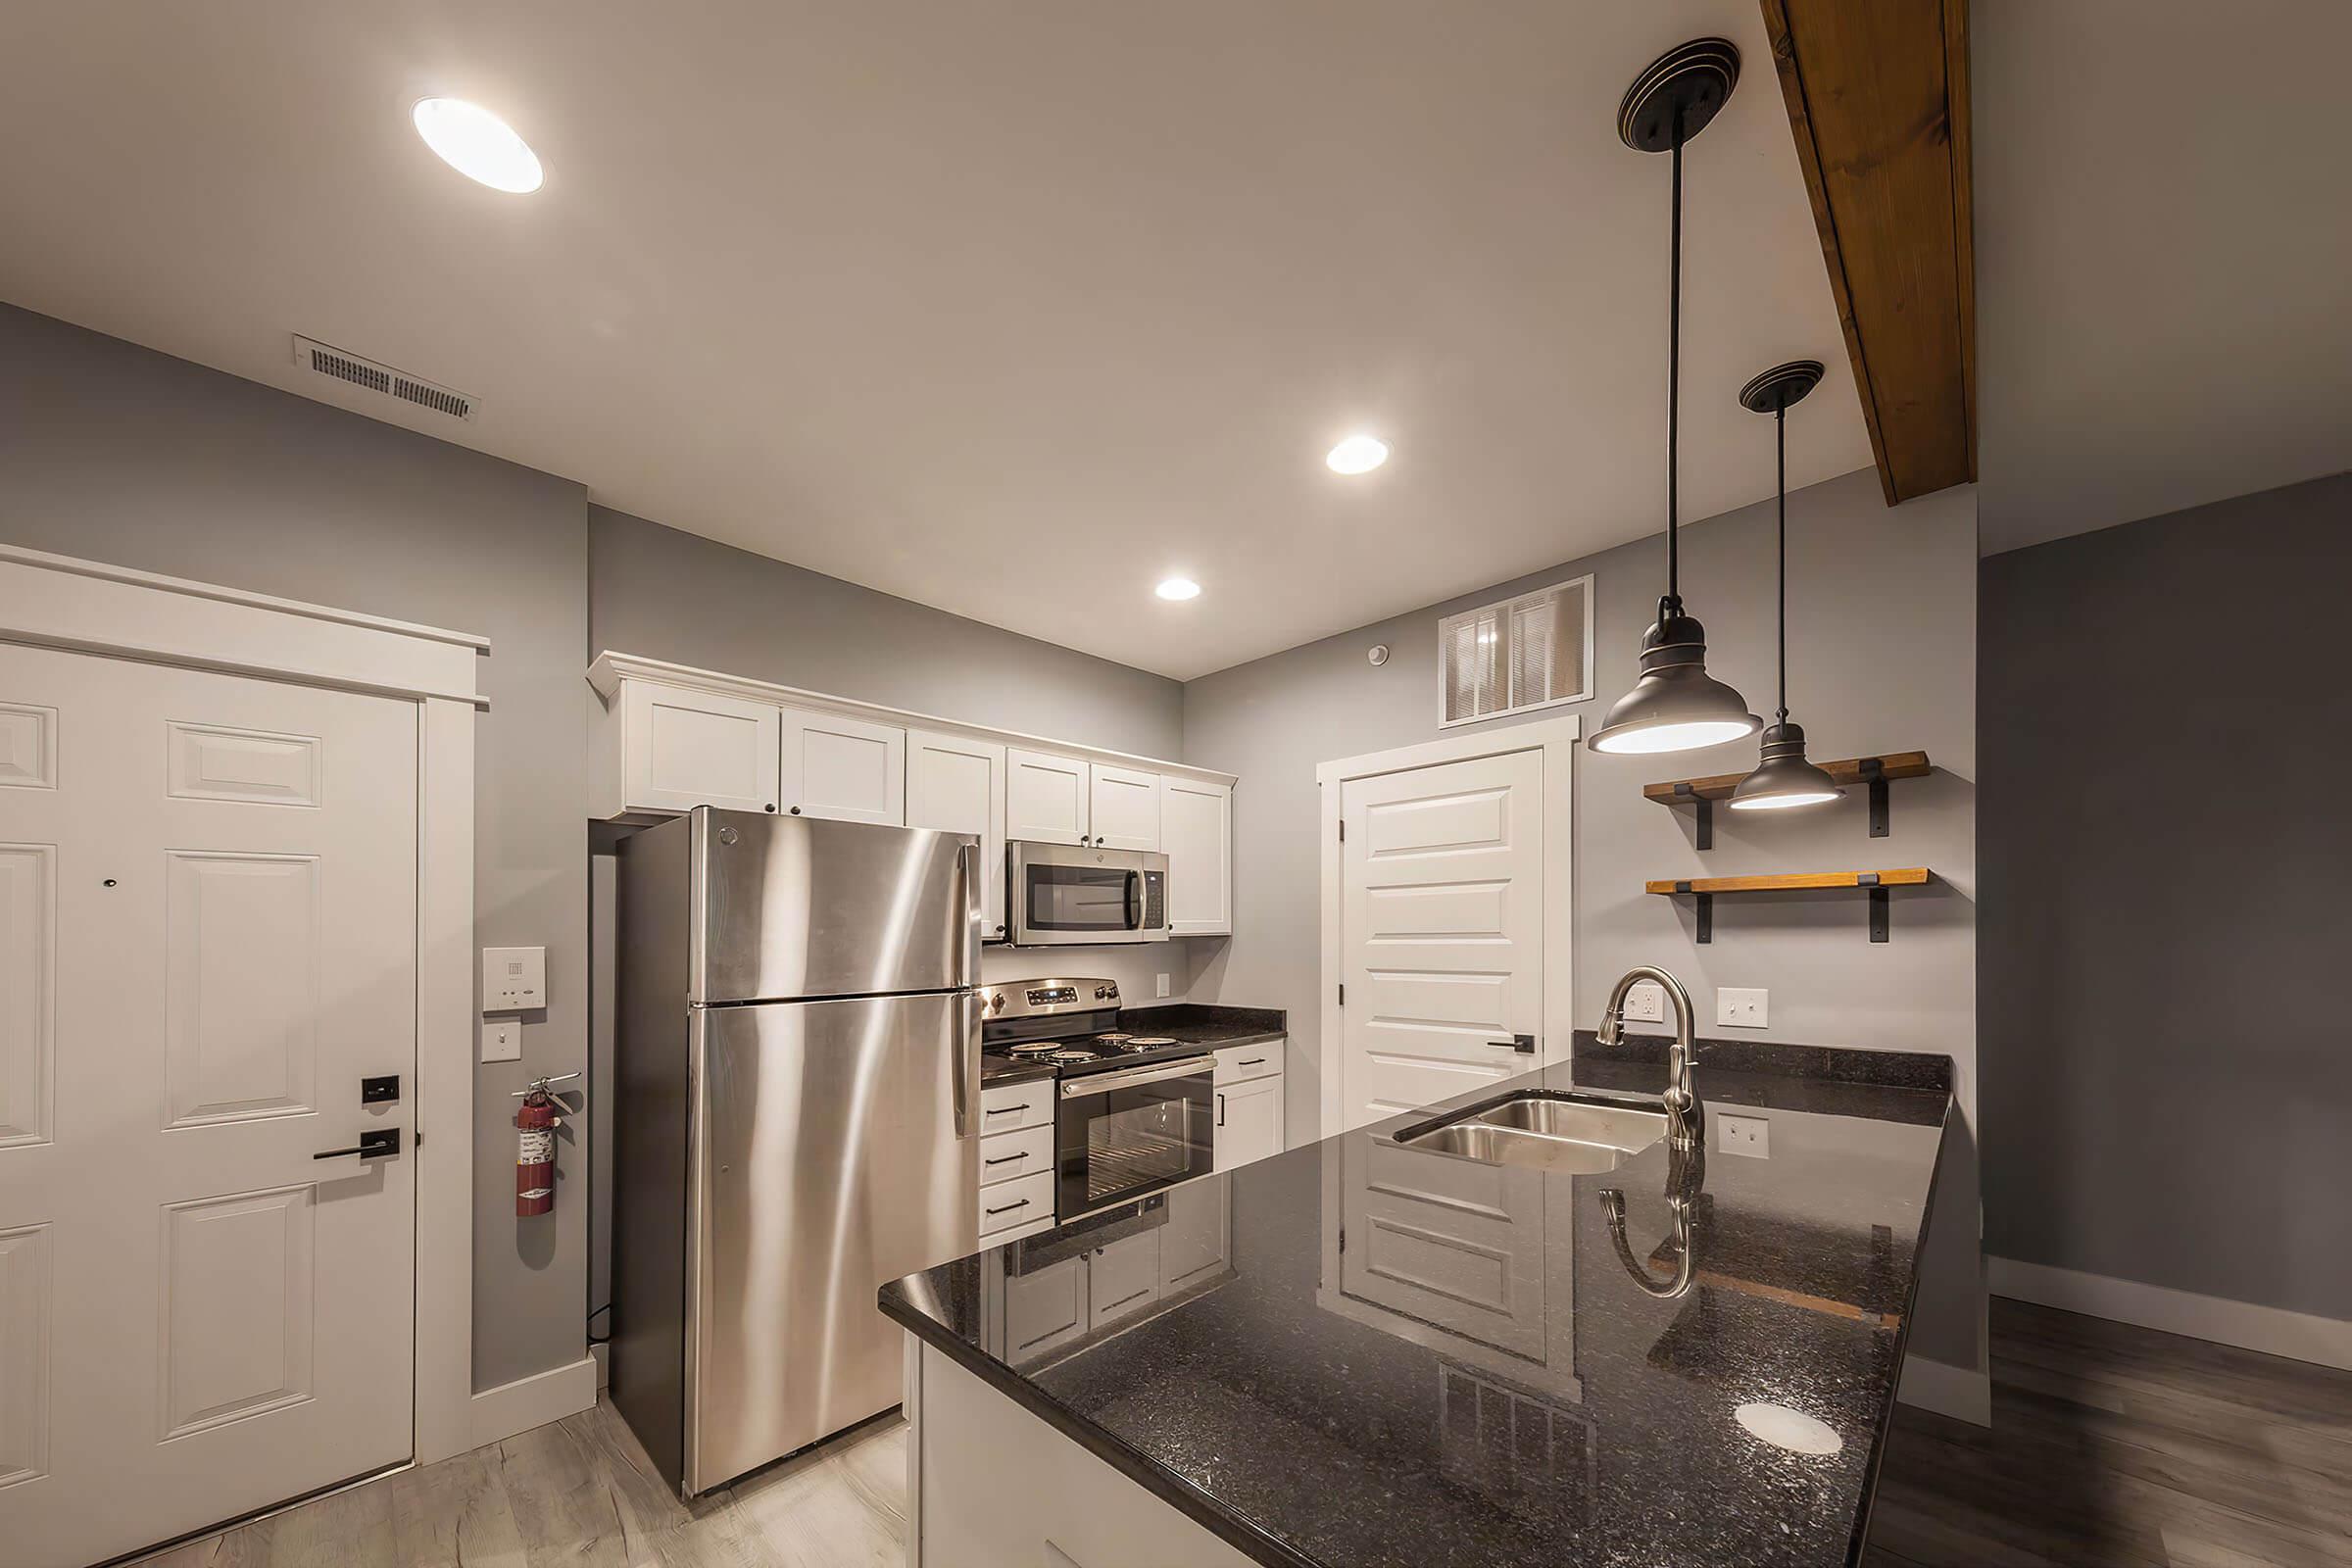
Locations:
(478, 144)
(1359, 454)
(1179, 588)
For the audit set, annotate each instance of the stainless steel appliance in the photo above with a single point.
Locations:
(1075, 893)
(797, 1043)
(1133, 1114)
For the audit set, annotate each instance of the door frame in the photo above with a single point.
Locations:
(1557, 740)
(51, 601)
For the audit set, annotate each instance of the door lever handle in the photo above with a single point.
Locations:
(1525, 1045)
(371, 1146)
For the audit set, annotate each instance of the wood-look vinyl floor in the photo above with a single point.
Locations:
(2110, 1446)
(581, 1492)
(2119, 1445)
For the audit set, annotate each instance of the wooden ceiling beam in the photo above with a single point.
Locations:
(1876, 92)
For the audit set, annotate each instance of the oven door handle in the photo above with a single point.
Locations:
(1102, 1083)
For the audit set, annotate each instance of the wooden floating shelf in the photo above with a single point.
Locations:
(1875, 883)
(1873, 772)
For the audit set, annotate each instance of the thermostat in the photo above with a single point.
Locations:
(514, 979)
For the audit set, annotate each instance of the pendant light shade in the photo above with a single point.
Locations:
(1675, 705)
(1783, 777)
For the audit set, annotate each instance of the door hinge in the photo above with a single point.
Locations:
(1342, 993)
(1342, 830)
(1342, 1239)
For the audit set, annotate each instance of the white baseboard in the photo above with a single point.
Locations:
(604, 1368)
(533, 1401)
(1947, 1390)
(2302, 1336)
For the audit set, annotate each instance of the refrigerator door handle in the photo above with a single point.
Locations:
(975, 884)
(967, 1061)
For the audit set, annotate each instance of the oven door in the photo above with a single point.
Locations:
(1064, 894)
(1122, 1134)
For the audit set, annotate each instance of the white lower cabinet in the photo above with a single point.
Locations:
(1249, 1103)
(994, 1486)
(1192, 1243)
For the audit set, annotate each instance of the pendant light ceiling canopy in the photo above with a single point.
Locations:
(1675, 705)
(1783, 777)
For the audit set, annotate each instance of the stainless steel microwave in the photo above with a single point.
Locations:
(1067, 894)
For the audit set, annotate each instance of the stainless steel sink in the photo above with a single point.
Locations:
(1572, 1136)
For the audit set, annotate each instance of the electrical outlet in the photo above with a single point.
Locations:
(1740, 1008)
(1644, 1003)
(1750, 1136)
(1163, 987)
(502, 1040)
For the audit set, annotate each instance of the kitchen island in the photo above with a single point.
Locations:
(1407, 1357)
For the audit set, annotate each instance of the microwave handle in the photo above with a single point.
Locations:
(1135, 901)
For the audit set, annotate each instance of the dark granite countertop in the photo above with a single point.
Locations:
(1420, 1360)
(1203, 1023)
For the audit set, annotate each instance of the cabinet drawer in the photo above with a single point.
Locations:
(1240, 1063)
(1012, 1108)
(1013, 1154)
(1020, 1202)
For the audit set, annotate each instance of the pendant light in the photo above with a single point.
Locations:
(1783, 778)
(1675, 706)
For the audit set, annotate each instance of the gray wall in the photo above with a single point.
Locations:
(2164, 838)
(1881, 653)
(118, 453)
(676, 596)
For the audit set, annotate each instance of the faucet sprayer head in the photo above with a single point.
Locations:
(1612, 1030)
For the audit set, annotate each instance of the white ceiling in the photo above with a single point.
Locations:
(2164, 256)
(943, 297)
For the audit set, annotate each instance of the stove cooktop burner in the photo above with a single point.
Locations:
(1034, 1048)
(1145, 1041)
(1074, 1054)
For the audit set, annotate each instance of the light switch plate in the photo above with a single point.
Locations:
(1750, 1136)
(502, 1040)
(1163, 985)
(1645, 1003)
(1742, 1007)
(514, 979)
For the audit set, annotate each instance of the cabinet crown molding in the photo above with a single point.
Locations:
(610, 669)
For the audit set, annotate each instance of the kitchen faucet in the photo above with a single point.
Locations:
(1683, 1117)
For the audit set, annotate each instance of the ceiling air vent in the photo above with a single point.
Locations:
(1533, 651)
(320, 359)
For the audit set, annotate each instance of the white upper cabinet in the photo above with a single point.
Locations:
(1124, 804)
(1046, 798)
(1195, 832)
(957, 785)
(683, 749)
(844, 768)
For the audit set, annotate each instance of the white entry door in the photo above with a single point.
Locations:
(207, 940)
(1441, 930)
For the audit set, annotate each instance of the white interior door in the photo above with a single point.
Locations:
(1441, 930)
(207, 939)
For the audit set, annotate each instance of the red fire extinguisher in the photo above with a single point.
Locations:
(535, 1125)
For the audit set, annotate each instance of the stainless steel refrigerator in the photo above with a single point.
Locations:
(797, 1054)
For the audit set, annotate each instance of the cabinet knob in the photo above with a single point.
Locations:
(795, 810)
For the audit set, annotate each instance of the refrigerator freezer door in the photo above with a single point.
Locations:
(797, 907)
(829, 1158)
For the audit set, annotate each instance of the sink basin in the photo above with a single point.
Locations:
(1570, 1135)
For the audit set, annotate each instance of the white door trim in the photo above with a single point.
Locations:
(1556, 739)
(88, 606)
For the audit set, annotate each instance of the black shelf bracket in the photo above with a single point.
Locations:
(1875, 772)
(1877, 901)
(1707, 811)
(1706, 911)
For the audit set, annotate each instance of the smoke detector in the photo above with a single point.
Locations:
(383, 380)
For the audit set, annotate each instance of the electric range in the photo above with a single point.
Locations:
(1133, 1114)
